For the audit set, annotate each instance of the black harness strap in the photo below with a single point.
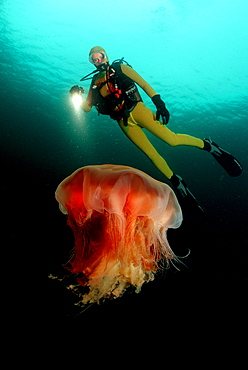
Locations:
(87, 76)
(123, 93)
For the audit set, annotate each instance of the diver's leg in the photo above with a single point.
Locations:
(138, 137)
(146, 119)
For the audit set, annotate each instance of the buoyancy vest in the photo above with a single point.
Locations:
(123, 96)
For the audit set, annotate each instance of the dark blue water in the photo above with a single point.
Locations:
(195, 55)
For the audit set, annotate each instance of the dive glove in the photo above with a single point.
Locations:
(161, 109)
(77, 89)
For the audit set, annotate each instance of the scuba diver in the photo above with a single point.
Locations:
(113, 92)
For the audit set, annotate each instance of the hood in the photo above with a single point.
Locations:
(98, 48)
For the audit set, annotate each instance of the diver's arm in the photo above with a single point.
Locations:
(131, 73)
(87, 104)
(160, 105)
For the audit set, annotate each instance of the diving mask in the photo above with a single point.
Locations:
(97, 58)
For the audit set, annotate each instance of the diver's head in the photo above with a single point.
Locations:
(99, 58)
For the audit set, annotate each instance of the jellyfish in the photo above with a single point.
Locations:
(119, 216)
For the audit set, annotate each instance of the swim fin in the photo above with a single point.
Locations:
(230, 164)
(184, 194)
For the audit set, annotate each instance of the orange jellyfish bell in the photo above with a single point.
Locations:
(119, 216)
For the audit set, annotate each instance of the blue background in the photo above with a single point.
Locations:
(195, 55)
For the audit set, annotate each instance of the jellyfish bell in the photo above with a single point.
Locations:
(119, 216)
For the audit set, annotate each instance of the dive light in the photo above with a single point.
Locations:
(76, 96)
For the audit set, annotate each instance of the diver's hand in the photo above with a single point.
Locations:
(161, 109)
(77, 89)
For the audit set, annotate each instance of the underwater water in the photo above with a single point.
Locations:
(195, 55)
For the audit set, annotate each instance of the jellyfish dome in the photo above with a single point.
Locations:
(119, 216)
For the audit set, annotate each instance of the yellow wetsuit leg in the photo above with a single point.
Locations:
(146, 119)
(136, 134)
(143, 117)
